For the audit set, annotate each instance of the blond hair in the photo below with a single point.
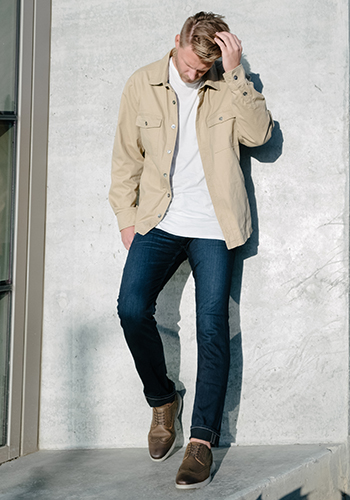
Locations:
(199, 32)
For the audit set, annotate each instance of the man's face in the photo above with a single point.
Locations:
(189, 66)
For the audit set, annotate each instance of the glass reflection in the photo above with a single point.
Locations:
(4, 346)
(8, 41)
(6, 156)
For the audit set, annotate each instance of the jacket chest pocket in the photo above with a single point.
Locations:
(149, 132)
(221, 125)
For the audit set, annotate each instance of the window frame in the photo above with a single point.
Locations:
(29, 228)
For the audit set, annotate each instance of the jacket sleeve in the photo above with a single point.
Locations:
(254, 122)
(127, 161)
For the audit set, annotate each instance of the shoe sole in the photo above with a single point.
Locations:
(196, 486)
(171, 449)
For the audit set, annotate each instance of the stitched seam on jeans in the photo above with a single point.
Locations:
(205, 428)
(161, 397)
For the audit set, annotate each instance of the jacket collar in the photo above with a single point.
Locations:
(160, 74)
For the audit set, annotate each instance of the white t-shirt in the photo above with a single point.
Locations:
(191, 212)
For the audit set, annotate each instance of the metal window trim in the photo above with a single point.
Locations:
(36, 226)
(8, 117)
(29, 233)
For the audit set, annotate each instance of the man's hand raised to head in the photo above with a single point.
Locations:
(231, 49)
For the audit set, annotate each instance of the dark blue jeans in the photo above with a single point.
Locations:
(152, 260)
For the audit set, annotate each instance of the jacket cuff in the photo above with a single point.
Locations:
(239, 85)
(126, 218)
(236, 76)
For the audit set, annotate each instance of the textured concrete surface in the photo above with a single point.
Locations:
(242, 473)
(289, 376)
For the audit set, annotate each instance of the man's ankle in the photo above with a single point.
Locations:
(195, 440)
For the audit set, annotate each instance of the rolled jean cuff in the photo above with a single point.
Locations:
(206, 435)
(160, 401)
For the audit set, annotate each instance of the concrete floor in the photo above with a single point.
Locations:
(249, 473)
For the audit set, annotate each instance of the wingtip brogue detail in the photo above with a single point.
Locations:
(196, 468)
(162, 435)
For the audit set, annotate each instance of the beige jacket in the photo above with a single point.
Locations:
(230, 112)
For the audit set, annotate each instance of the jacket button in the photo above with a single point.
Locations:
(221, 118)
(168, 195)
(173, 126)
(174, 102)
(159, 216)
(146, 123)
(235, 77)
(245, 93)
(169, 151)
(165, 175)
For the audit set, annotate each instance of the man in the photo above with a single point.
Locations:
(178, 192)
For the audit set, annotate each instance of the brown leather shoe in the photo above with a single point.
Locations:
(196, 468)
(162, 436)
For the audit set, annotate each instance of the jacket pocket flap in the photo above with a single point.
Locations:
(148, 121)
(220, 117)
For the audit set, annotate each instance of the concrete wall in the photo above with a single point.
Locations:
(289, 376)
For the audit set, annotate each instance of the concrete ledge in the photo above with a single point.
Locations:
(307, 472)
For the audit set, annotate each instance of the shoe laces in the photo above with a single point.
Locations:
(160, 416)
(194, 449)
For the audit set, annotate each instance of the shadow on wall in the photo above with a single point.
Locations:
(168, 326)
(83, 342)
(268, 153)
(168, 315)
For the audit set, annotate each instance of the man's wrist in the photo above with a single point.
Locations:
(126, 217)
(235, 75)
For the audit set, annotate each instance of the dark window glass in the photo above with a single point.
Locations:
(4, 362)
(8, 55)
(6, 198)
(8, 118)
